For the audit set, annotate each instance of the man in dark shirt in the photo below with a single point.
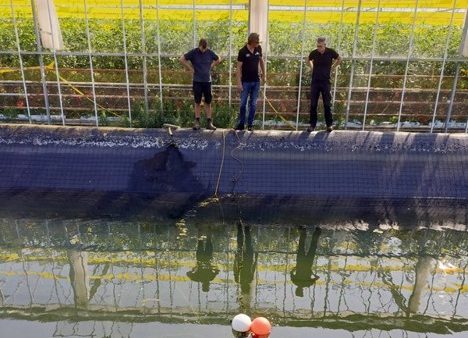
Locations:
(248, 79)
(202, 60)
(322, 60)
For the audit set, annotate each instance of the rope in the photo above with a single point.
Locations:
(235, 178)
(221, 166)
(276, 112)
(51, 68)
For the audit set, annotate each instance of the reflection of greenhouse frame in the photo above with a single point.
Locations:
(115, 273)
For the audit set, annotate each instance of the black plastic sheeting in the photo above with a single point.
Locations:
(190, 166)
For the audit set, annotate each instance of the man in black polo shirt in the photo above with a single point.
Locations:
(202, 60)
(248, 79)
(321, 61)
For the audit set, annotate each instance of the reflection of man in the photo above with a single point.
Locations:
(302, 274)
(205, 271)
(245, 263)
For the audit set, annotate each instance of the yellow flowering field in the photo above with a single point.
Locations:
(435, 12)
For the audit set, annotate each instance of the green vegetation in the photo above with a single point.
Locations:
(286, 44)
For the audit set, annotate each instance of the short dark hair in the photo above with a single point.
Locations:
(203, 43)
(253, 38)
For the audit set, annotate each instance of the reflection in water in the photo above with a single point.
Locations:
(301, 275)
(79, 279)
(424, 268)
(204, 272)
(120, 274)
(245, 262)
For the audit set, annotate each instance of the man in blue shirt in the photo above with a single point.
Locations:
(202, 60)
(321, 60)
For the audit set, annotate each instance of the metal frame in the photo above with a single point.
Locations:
(299, 95)
(124, 35)
(410, 52)
(439, 86)
(57, 73)
(359, 8)
(158, 30)
(340, 37)
(353, 62)
(93, 83)
(143, 46)
(371, 65)
(18, 45)
(41, 62)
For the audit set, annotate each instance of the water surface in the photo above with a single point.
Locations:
(188, 277)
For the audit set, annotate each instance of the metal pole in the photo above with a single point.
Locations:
(439, 86)
(91, 67)
(41, 61)
(126, 63)
(340, 37)
(266, 72)
(23, 77)
(374, 38)
(452, 96)
(353, 61)
(194, 28)
(298, 108)
(158, 30)
(145, 61)
(410, 52)
(230, 56)
(57, 74)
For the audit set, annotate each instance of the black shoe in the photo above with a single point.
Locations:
(210, 125)
(310, 129)
(329, 129)
(196, 125)
(239, 127)
(250, 128)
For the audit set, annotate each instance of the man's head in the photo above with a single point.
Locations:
(253, 39)
(321, 44)
(203, 45)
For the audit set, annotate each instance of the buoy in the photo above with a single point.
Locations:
(260, 326)
(241, 323)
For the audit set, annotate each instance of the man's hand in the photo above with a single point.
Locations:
(262, 77)
(239, 87)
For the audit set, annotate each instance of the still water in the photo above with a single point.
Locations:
(188, 278)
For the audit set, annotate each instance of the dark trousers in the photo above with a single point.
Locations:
(322, 87)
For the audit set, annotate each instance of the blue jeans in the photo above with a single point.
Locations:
(248, 89)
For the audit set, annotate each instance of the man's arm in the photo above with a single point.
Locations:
(310, 63)
(262, 69)
(239, 75)
(186, 63)
(216, 62)
(337, 62)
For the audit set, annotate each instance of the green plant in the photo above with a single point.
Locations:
(10, 113)
(102, 118)
(224, 116)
